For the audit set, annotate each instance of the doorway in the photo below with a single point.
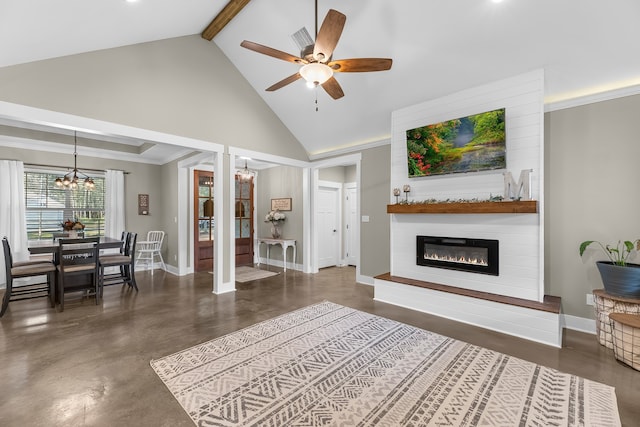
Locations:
(203, 220)
(328, 223)
(341, 176)
(351, 244)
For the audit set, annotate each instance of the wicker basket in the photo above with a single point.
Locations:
(626, 338)
(604, 305)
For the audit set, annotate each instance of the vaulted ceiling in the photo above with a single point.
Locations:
(438, 47)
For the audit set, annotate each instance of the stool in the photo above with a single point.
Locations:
(626, 338)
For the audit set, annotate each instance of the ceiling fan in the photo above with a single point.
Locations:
(316, 59)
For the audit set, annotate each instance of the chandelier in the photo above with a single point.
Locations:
(71, 180)
(245, 175)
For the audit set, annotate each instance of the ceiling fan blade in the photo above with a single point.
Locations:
(359, 65)
(282, 83)
(269, 51)
(332, 87)
(328, 35)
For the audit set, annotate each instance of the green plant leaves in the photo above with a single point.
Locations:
(617, 254)
(584, 245)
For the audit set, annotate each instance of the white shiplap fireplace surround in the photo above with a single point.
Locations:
(520, 235)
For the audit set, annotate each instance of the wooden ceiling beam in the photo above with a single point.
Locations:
(224, 17)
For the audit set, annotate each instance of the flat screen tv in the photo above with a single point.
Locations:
(468, 144)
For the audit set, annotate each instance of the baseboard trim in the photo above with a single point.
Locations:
(279, 263)
(580, 324)
(365, 280)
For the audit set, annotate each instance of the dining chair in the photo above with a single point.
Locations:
(151, 248)
(26, 269)
(78, 267)
(125, 261)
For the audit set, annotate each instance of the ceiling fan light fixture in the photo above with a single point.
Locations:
(316, 73)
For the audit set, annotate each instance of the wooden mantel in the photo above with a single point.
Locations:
(514, 207)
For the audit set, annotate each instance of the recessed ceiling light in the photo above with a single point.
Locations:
(497, 1)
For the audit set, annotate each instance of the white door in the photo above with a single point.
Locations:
(327, 219)
(351, 230)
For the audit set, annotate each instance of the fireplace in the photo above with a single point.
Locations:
(472, 255)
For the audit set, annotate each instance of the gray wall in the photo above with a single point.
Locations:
(140, 179)
(276, 183)
(374, 196)
(342, 174)
(182, 86)
(168, 211)
(591, 180)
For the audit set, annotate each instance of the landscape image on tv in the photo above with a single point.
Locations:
(468, 144)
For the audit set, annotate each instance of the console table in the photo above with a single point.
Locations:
(284, 244)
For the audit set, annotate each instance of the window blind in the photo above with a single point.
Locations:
(47, 206)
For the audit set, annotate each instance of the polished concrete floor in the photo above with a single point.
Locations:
(89, 366)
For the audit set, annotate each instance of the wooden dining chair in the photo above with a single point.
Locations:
(26, 269)
(126, 263)
(78, 267)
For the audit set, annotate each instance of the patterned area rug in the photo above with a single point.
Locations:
(331, 365)
(247, 274)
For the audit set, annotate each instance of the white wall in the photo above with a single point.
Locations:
(519, 234)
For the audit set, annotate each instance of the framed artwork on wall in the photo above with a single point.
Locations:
(143, 204)
(466, 144)
(282, 204)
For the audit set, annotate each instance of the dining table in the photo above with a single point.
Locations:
(50, 246)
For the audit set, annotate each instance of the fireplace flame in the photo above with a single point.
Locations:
(458, 259)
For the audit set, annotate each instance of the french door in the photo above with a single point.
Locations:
(204, 221)
(244, 220)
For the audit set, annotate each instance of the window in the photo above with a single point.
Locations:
(48, 206)
(244, 199)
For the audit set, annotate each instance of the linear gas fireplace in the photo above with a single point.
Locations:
(473, 255)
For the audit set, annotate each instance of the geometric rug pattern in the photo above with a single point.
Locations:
(331, 365)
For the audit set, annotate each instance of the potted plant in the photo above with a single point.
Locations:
(619, 277)
(72, 227)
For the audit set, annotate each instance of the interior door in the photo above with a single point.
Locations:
(244, 220)
(204, 220)
(328, 225)
(351, 224)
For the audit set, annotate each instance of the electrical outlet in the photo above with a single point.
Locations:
(175, 257)
(589, 299)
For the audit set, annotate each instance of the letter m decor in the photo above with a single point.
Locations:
(520, 190)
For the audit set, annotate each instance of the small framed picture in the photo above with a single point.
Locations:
(143, 204)
(283, 204)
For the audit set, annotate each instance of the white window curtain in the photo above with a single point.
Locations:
(13, 223)
(114, 203)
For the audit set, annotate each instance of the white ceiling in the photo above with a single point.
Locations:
(438, 47)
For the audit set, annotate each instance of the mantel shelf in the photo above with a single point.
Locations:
(514, 207)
